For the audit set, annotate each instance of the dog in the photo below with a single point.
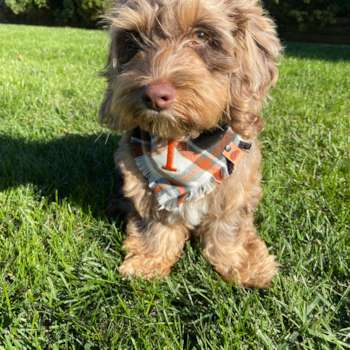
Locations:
(186, 83)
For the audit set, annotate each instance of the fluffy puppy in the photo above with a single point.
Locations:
(181, 70)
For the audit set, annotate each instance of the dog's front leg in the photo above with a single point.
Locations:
(230, 244)
(153, 247)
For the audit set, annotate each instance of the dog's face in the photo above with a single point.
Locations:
(178, 67)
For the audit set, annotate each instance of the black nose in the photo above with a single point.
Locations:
(158, 96)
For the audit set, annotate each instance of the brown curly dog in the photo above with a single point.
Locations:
(186, 82)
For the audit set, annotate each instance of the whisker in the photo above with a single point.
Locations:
(227, 115)
(98, 137)
(218, 126)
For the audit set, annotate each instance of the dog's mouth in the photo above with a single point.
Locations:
(170, 123)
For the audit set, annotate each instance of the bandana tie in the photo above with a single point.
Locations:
(182, 171)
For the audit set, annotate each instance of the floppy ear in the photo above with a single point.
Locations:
(106, 117)
(104, 114)
(257, 49)
(104, 111)
(119, 53)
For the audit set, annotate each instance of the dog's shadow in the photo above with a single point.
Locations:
(77, 167)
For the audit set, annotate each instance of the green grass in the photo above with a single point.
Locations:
(60, 287)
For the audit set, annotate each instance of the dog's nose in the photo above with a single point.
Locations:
(158, 96)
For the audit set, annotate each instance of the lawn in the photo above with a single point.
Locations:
(60, 287)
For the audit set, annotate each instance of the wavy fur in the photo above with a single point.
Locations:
(222, 81)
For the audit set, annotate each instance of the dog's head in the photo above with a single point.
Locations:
(178, 67)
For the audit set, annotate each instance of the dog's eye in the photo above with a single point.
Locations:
(128, 46)
(199, 38)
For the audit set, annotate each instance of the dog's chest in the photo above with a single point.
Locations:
(191, 212)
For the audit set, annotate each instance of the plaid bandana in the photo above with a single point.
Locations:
(182, 171)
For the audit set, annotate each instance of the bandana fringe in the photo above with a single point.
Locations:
(196, 193)
(141, 163)
(170, 203)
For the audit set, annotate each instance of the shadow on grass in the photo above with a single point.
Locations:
(79, 168)
(324, 52)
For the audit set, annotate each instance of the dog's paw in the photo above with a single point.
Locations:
(257, 274)
(143, 266)
(248, 264)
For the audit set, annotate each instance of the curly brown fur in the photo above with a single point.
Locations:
(221, 81)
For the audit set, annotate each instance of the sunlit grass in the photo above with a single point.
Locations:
(60, 287)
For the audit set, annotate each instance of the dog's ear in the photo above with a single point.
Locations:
(104, 111)
(257, 50)
(105, 115)
(124, 45)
